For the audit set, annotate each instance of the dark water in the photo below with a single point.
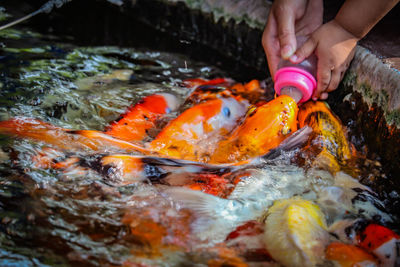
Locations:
(50, 218)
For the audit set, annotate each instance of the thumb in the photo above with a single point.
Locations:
(304, 51)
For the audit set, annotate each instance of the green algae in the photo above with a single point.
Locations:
(378, 97)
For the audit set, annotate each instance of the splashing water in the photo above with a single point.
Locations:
(56, 219)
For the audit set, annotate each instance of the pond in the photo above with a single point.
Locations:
(79, 217)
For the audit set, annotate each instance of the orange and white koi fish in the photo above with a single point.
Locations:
(262, 130)
(369, 243)
(247, 239)
(134, 124)
(194, 134)
(381, 242)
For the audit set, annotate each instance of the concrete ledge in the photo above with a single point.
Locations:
(377, 82)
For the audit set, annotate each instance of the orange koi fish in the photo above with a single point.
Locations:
(127, 169)
(218, 88)
(198, 81)
(194, 134)
(262, 130)
(213, 179)
(252, 91)
(65, 139)
(346, 255)
(131, 127)
(134, 124)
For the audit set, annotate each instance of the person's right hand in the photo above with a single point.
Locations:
(286, 19)
(335, 47)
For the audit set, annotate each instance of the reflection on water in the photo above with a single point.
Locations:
(52, 218)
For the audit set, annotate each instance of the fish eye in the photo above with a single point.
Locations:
(226, 111)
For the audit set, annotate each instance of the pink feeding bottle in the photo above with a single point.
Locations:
(297, 80)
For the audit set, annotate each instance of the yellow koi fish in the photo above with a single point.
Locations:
(295, 232)
(331, 143)
(262, 130)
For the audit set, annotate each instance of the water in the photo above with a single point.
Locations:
(51, 218)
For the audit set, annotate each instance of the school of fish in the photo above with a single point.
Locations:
(210, 157)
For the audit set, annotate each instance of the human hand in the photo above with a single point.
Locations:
(335, 47)
(286, 19)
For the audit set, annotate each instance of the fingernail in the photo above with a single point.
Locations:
(286, 51)
(294, 58)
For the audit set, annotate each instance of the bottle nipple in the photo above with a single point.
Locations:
(293, 92)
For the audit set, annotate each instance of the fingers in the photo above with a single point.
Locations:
(285, 17)
(270, 44)
(304, 51)
(336, 77)
(324, 75)
(324, 96)
(335, 80)
(329, 74)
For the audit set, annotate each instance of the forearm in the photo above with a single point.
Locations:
(359, 16)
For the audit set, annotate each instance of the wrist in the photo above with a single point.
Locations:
(346, 30)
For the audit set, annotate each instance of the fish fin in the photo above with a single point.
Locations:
(209, 224)
(166, 161)
(109, 141)
(294, 141)
(189, 166)
(201, 203)
(135, 123)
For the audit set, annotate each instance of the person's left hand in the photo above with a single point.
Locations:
(286, 20)
(335, 48)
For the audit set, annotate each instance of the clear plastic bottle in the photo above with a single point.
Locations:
(297, 80)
